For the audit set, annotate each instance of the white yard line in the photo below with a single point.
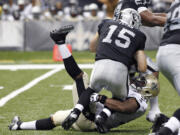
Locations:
(56, 68)
(40, 66)
(13, 94)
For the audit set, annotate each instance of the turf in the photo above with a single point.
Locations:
(47, 96)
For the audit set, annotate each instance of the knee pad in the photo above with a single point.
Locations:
(60, 116)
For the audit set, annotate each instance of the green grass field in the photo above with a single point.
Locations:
(48, 96)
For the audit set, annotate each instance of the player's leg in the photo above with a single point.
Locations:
(59, 37)
(154, 109)
(168, 61)
(152, 68)
(42, 124)
(84, 100)
(75, 96)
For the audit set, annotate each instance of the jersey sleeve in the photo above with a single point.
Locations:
(101, 25)
(142, 41)
(142, 102)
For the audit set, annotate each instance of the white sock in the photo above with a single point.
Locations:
(64, 51)
(28, 125)
(79, 107)
(173, 124)
(154, 106)
(107, 112)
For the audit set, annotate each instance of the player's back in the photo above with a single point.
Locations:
(119, 42)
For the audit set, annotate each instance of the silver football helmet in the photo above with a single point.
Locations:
(130, 17)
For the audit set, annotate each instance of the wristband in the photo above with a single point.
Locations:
(102, 99)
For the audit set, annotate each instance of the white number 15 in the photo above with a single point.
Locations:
(121, 34)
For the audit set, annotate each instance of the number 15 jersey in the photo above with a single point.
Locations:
(119, 42)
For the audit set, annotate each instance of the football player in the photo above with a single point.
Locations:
(121, 44)
(168, 60)
(149, 19)
(133, 107)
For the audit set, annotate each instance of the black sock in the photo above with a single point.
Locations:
(177, 114)
(105, 113)
(45, 124)
(80, 86)
(84, 99)
(72, 67)
(165, 131)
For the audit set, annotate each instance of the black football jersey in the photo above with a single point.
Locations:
(119, 42)
(172, 26)
(134, 4)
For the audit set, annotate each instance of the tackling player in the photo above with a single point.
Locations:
(133, 107)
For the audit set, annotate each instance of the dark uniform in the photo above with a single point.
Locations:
(168, 56)
(119, 42)
(117, 46)
(172, 27)
(138, 5)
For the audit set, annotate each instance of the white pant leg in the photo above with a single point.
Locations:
(168, 59)
(111, 75)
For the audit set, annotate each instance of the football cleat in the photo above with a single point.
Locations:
(15, 123)
(164, 131)
(59, 36)
(70, 120)
(101, 128)
(159, 122)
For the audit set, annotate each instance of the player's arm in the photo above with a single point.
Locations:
(141, 61)
(152, 19)
(128, 106)
(94, 43)
(160, 14)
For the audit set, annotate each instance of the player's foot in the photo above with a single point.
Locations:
(151, 116)
(101, 128)
(59, 36)
(15, 123)
(70, 120)
(159, 122)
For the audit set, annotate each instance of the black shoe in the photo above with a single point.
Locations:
(59, 36)
(158, 123)
(101, 128)
(70, 120)
(15, 123)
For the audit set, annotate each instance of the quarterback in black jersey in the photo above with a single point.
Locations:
(148, 19)
(119, 47)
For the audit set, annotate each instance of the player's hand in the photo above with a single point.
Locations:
(94, 97)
